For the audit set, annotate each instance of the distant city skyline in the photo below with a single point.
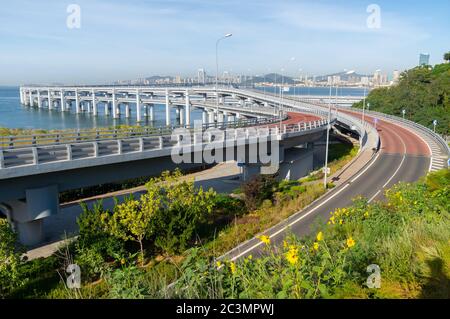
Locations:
(137, 39)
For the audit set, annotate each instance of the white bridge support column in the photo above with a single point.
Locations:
(39, 98)
(49, 100)
(77, 102)
(27, 216)
(63, 102)
(138, 106)
(94, 104)
(188, 108)
(107, 108)
(31, 98)
(167, 108)
(181, 115)
(127, 110)
(204, 117)
(21, 96)
(114, 105)
(151, 109)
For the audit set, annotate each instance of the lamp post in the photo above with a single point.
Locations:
(328, 140)
(217, 68)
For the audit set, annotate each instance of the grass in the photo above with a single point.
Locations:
(408, 237)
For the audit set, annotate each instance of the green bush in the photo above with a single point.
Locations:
(257, 189)
(10, 260)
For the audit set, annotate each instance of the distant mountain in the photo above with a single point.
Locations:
(345, 76)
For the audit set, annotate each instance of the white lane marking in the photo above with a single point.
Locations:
(373, 197)
(290, 224)
(354, 179)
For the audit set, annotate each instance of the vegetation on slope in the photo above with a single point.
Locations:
(423, 92)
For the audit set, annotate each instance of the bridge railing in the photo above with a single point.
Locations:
(36, 155)
(80, 136)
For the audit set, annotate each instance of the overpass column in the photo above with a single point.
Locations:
(127, 110)
(77, 102)
(63, 102)
(138, 106)
(50, 101)
(21, 96)
(181, 115)
(211, 116)
(94, 104)
(31, 98)
(27, 216)
(107, 108)
(220, 117)
(167, 108)
(39, 98)
(114, 105)
(151, 109)
(204, 116)
(188, 108)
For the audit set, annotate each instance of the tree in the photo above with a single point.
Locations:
(185, 209)
(132, 219)
(9, 259)
(447, 57)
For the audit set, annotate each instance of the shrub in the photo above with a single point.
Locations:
(10, 260)
(257, 189)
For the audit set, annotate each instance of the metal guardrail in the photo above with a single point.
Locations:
(17, 157)
(78, 136)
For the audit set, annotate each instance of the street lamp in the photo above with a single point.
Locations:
(217, 68)
(328, 141)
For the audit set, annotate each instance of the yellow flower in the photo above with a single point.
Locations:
(350, 242)
(122, 261)
(285, 244)
(233, 267)
(250, 257)
(316, 246)
(292, 256)
(332, 220)
(265, 239)
(218, 264)
(341, 221)
(319, 236)
(366, 214)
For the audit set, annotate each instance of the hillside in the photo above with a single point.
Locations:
(423, 92)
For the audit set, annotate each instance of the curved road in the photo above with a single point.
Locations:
(403, 157)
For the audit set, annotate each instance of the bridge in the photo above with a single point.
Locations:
(34, 169)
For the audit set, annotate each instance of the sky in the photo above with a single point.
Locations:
(121, 40)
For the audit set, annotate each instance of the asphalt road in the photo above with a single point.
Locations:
(403, 157)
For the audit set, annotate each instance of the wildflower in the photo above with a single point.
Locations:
(265, 239)
(350, 242)
(366, 214)
(285, 244)
(233, 267)
(250, 257)
(292, 256)
(319, 236)
(122, 261)
(332, 220)
(341, 221)
(316, 246)
(218, 264)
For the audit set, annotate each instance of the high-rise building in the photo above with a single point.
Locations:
(424, 59)
(201, 76)
(396, 76)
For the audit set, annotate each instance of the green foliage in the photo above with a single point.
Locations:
(185, 209)
(408, 237)
(257, 189)
(423, 92)
(10, 260)
(126, 283)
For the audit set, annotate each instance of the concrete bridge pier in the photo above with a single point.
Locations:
(181, 115)
(26, 215)
(138, 107)
(107, 108)
(187, 108)
(39, 99)
(151, 114)
(62, 101)
(115, 111)
(77, 102)
(167, 108)
(31, 98)
(204, 117)
(127, 110)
